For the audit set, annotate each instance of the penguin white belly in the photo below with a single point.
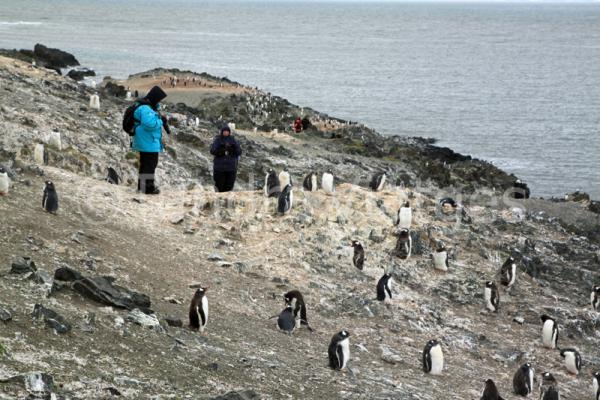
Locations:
(381, 183)
(345, 344)
(571, 363)
(547, 334)
(284, 179)
(595, 387)
(513, 276)
(291, 199)
(531, 374)
(327, 183)
(205, 309)
(266, 188)
(437, 360)
(405, 218)
(488, 299)
(38, 154)
(439, 261)
(313, 182)
(592, 298)
(4, 183)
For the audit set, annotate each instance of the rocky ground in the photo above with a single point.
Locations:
(162, 246)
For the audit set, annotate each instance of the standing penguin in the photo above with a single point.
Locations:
(284, 179)
(404, 216)
(199, 310)
(384, 288)
(508, 272)
(492, 296)
(4, 181)
(523, 380)
(549, 332)
(296, 300)
(286, 198)
(440, 258)
(595, 297)
(358, 259)
(50, 199)
(433, 358)
(596, 386)
(286, 321)
(490, 391)
(113, 178)
(339, 350)
(403, 245)
(378, 182)
(310, 183)
(572, 360)
(40, 156)
(272, 185)
(549, 387)
(328, 182)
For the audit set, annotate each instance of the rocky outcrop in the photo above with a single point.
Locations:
(80, 74)
(43, 56)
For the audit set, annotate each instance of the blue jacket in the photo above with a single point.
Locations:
(227, 151)
(148, 133)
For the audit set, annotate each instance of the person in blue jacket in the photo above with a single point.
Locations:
(148, 139)
(227, 152)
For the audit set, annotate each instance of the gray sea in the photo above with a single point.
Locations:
(517, 84)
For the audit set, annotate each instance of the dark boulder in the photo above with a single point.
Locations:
(23, 265)
(53, 58)
(114, 90)
(79, 74)
(51, 318)
(242, 395)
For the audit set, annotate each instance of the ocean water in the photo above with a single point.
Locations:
(515, 84)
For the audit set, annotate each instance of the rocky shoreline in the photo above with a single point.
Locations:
(93, 300)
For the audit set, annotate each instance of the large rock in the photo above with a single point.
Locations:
(239, 395)
(79, 74)
(54, 58)
(51, 318)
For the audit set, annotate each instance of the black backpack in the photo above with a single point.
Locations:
(129, 121)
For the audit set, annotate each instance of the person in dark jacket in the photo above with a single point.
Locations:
(148, 139)
(227, 152)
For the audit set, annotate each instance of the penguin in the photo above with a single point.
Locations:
(384, 288)
(328, 182)
(520, 190)
(403, 245)
(596, 386)
(549, 332)
(359, 255)
(378, 182)
(199, 309)
(54, 140)
(490, 391)
(296, 300)
(286, 321)
(492, 296)
(4, 181)
(448, 205)
(508, 272)
(404, 216)
(128, 95)
(272, 186)
(113, 178)
(286, 198)
(595, 298)
(310, 183)
(284, 179)
(39, 154)
(94, 102)
(50, 199)
(572, 360)
(549, 387)
(440, 258)
(93, 84)
(339, 350)
(523, 380)
(433, 358)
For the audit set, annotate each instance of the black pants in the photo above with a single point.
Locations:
(148, 163)
(224, 180)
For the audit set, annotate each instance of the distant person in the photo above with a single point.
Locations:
(148, 139)
(227, 152)
(298, 125)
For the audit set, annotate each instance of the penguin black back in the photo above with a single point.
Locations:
(272, 186)
(383, 287)
(286, 321)
(295, 298)
(338, 350)
(359, 254)
(197, 312)
(310, 182)
(523, 380)
(490, 392)
(284, 203)
(113, 178)
(50, 198)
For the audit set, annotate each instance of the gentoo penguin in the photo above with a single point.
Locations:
(272, 186)
(490, 391)
(492, 296)
(595, 297)
(339, 351)
(433, 358)
(404, 216)
(328, 182)
(286, 198)
(448, 205)
(549, 332)
(520, 190)
(403, 244)
(4, 181)
(523, 380)
(94, 102)
(50, 199)
(199, 310)
(596, 386)
(113, 178)
(384, 288)
(508, 272)
(572, 360)
(54, 140)
(286, 321)
(378, 181)
(39, 154)
(358, 259)
(284, 179)
(549, 387)
(310, 183)
(296, 300)
(440, 258)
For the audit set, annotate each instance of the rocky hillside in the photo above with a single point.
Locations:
(99, 309)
